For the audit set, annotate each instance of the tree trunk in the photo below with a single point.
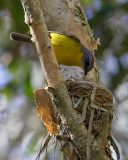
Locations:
(86, 120)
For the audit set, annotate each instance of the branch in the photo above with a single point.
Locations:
(89, 140)
(34, 18)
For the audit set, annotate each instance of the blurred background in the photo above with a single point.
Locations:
(21, 131)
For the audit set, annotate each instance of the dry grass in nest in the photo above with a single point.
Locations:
(103, 98)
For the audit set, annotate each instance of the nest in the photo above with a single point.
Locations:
(103, 98)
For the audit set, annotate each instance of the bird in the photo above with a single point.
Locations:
(67, 47)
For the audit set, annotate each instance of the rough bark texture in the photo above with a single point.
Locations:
(68, 16)
(34, 18)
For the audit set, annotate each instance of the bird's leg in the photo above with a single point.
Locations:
(92, 98)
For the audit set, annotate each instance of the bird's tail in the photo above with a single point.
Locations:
(20, 37)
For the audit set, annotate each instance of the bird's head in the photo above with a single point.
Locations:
(87, 60)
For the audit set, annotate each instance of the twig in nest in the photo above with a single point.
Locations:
(75, 105)
(63, 138)
(44, 146)
(89, 136)
(92, 101)
(83, 115)
(114, 145)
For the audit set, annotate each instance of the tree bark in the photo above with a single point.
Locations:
(68, 16)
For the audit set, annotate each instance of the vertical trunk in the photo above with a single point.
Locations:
(94, 101)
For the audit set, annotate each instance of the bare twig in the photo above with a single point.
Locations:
(89, 136)
(44, 146)
(83, 115)
(115, 147)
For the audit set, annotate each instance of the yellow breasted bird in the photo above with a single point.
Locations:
(68, 49)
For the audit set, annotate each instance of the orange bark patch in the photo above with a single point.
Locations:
(46, 111)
